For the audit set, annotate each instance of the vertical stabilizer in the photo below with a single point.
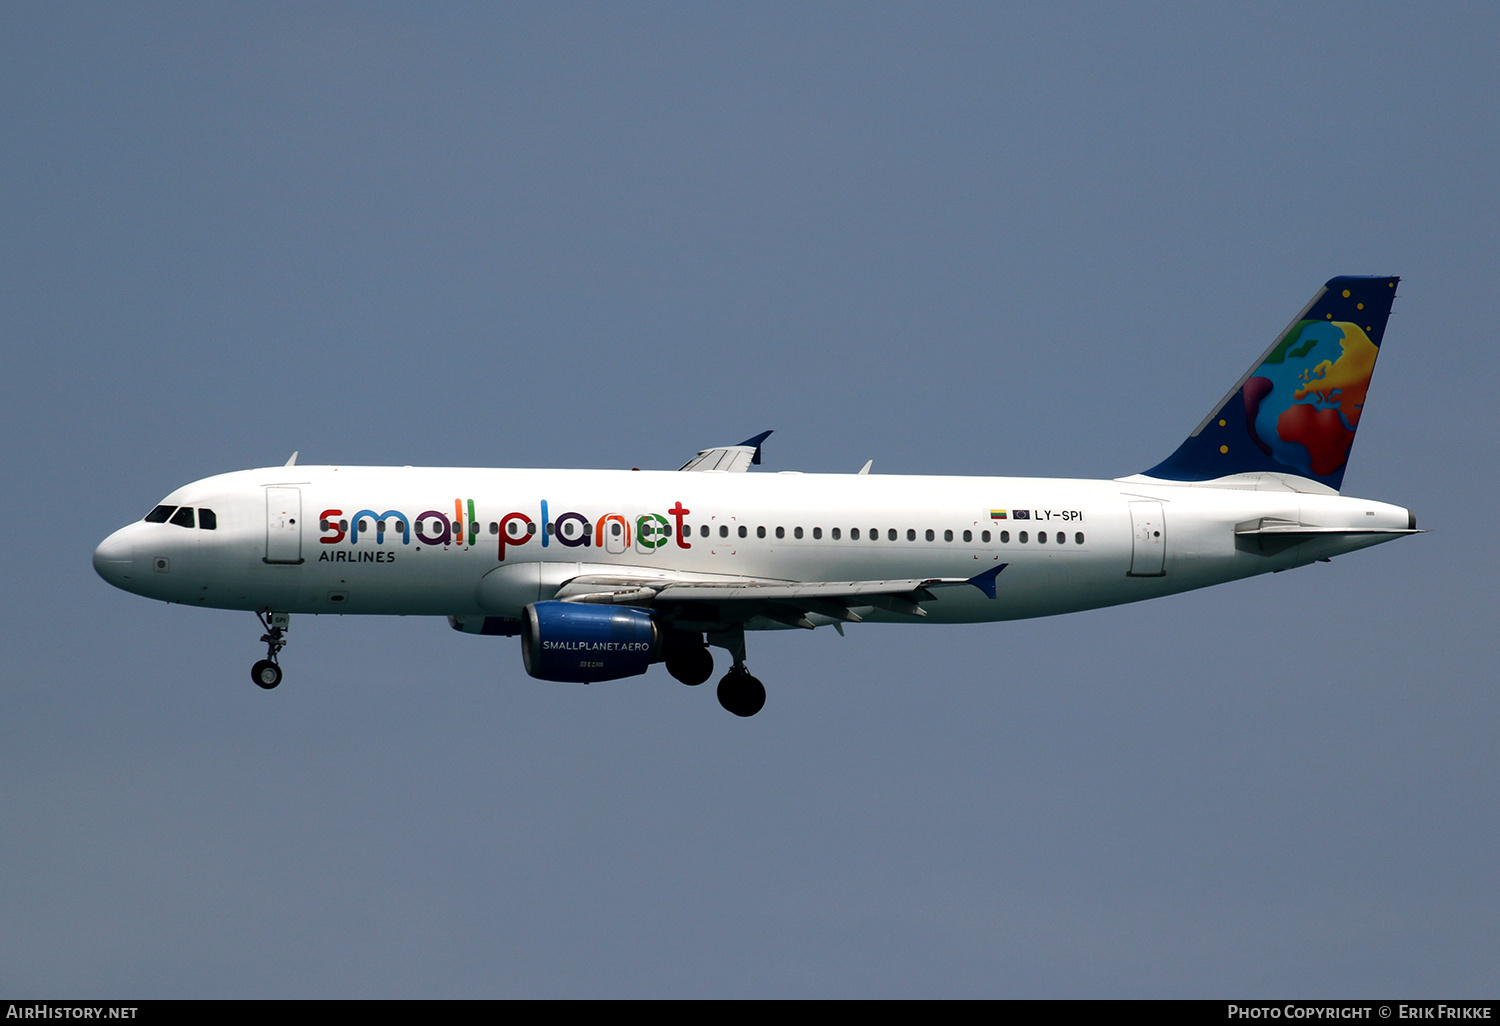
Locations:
(1296, 410)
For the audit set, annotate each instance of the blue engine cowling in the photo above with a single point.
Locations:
(575, 641)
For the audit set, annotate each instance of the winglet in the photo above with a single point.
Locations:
(755, 440)
(291, 462)
(985, 582)
(728, 459)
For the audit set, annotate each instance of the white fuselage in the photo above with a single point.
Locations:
(454, 542)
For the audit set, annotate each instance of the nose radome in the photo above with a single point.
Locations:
(114, 559)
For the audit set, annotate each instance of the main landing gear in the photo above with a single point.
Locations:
(688, 658)
(739, 692)
(267, 672)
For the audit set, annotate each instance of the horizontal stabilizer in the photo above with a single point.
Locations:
(1269, 536)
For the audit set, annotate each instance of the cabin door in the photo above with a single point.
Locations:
(283, 525)
(1148, 546)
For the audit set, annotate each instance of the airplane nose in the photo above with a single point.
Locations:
(114, 559)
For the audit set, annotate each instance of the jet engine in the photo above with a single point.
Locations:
(583, 643)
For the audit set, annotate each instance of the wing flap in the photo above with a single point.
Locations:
(786, 602)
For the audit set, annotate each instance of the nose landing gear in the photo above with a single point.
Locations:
(267, 672)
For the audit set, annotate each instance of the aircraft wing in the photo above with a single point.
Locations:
(728, 459)
(786, 602)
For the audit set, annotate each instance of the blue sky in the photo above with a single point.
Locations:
(968, 239)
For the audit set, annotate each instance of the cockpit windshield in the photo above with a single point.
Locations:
(182, 516)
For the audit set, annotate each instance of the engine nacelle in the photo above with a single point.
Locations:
(583, 643)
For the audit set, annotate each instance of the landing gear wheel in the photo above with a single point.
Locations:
(266, 673)
(741, 693)
(692, 666)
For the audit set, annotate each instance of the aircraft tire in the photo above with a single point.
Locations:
(741, 693)
(266, 674)
(692, 666)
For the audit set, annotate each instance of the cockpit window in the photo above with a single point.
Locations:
(207, 519)
(183, 517)
(159, 514)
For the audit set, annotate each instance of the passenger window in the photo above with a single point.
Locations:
(1061, 537)
(743, 531)
(207, 520)
(723, 530)
(1005, 537)
(343, 525)
(947, 536)
(781, 532)
(703, 531)
(854, 534)
(760, 532)
(933, 537)
(834, 534)
(911, 535)
(1078, 538)
(159, 514)
(891, 534)
(817, 532)
(797, 533)
(969, 536)
(1041, 538)
(494, 527)
(1023, 538)
(183, 517)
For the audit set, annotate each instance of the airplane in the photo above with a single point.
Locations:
(603, 573)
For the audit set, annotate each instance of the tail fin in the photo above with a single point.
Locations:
(1294, 413)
